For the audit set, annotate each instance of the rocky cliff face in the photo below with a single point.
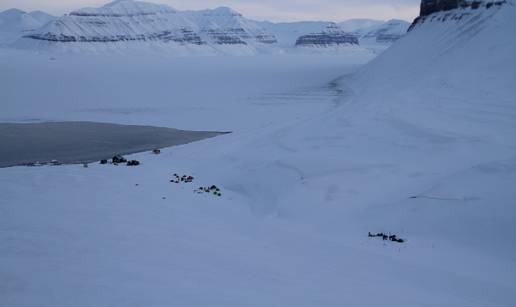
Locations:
(457, 9)
(431, 6)
(331, 36)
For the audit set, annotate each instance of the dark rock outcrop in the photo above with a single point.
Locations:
(238, 36)
(227, 36)
(265, 38)
(331, 36)
(430, 7)
(182, 36)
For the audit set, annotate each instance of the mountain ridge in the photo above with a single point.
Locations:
(218, 30)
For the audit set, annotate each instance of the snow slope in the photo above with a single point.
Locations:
(421, 142)
(16, 23)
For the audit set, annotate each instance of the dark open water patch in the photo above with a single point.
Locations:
(83, 142)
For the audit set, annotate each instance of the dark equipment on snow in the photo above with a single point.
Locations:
(119, 159)
(392, 238)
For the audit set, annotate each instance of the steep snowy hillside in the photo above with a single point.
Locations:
(423, 145)
(146, 25)
(16, 23)
(438, 109)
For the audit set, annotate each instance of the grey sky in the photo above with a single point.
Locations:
(275, 10)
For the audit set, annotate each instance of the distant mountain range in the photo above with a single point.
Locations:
(128, 23)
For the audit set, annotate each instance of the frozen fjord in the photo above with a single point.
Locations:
(84, 142)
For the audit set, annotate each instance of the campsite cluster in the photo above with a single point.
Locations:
(184, 179)
(120, 160)
(213, 190)
(177, 179)
(209, 190)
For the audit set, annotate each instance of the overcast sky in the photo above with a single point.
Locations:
(274, 10)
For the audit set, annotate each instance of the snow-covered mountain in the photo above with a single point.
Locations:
(134, 23)
(369, 32)
(15, 23)
(129, 25)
